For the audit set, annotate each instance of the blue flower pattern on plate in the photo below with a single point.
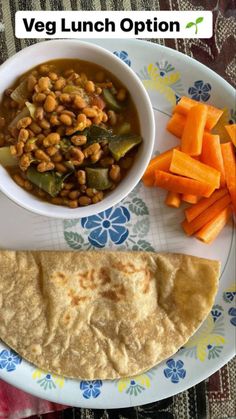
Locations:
(200, 91)
(123, 55)
(175, 370)
(232, 312)
(91, 388)
(108, 225)
(9, 360)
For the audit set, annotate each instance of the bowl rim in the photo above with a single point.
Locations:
(55, 211)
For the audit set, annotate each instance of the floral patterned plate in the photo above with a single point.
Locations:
(140, 222)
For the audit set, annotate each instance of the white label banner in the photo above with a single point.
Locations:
(113, 24)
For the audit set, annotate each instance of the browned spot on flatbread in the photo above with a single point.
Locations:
(75, 298)
(87, 279)
(115, 294)
(60, 278)
(104, 275)
(127, 268)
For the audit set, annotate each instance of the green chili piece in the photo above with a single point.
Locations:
(121, 144)
(49, 182)
(111, 101)
(98, 178)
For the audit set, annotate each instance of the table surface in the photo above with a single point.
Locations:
(216, 396)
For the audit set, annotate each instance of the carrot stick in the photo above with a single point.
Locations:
(206, 216)
(230, 170)
(231, 130)
(191, 199)
(160, 162)
(184, 165)
(193, 211)
(213, 114)
(176, 124)
(191, 140)
(210, 231)
(212, 155)
(173, 199)
(182, 184)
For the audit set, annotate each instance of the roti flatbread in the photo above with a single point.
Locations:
(102, 315)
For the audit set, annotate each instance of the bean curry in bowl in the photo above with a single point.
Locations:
(69, 132)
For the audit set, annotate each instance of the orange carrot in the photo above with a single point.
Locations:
(184, 165)
(206, 216)
(193, 211)
(210, 231)
(191, 199)
(176, 124)
(182, 184)
(231, 130)
(160, 162)
(173, 199)
(191, 140)
(212, 155)
(230, 170)
(213, 114)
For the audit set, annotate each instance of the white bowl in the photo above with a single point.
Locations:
(49, 50)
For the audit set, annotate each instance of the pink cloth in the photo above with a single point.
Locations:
(16, 404)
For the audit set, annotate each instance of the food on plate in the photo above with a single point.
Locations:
(69, 132)
(199, 170)
(102, 315)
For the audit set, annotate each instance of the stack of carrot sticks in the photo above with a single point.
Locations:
(200, 170)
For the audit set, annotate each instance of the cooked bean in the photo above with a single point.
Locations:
(92, 149)
(28, 186)
(68, 186)
(107, 161)
(41, 155)
(96, 156)
(39, 113)
(43, 68)
(19, 148)
(23, 135)
(19, 180)
(53, 76)
(81, 177)
(90, 112)
(79, 140)
(39, 97)
(57, 158)
(65, 98)
(73, 203)
(45, 166)
(77, 156)
(121, 95)
(98, 197)
(79, 102)
(44, 83)
(50, 104)
(60, 108)
(89, 86)
(51, 139)
(30, 146)
(64, 192)
(13, 150)
(54, 120)
(52, 150)
(114, 173)
(84, 200)
(66, 119)
(25, 161)
(31, 82)
(60, 168)
(68, 72)
(57, 200)
(59, 84)
(91, 192)
(44, 124)
(24, 122)
(73, 194)
(35, 128)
